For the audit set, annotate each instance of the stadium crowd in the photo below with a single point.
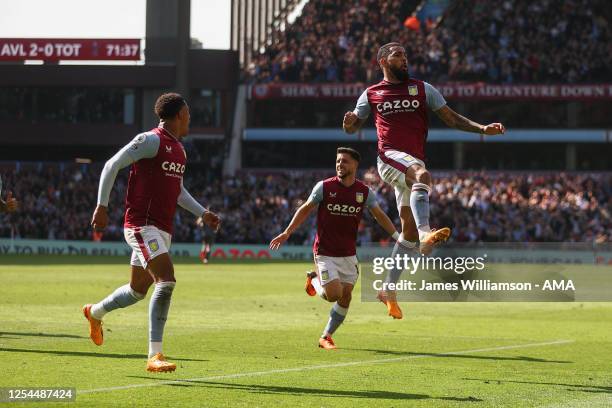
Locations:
(57, 203)
(64, 105)
(502, 41)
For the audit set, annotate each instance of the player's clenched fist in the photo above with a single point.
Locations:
(494, 129)
(99, 221)
(211, 219)
(350, 119)
(279, 240)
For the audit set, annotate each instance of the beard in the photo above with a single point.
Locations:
(345, 175)
(400, 73)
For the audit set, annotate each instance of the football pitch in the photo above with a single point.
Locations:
(245, 334)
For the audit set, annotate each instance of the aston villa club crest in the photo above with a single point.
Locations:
(359, 197)
(153, 245)
(413, 90)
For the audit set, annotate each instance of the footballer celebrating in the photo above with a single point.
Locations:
(399, 104)
(155, 187)
(341, 201)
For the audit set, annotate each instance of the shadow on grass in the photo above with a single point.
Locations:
(573, 387)
(470, 356)
(34, 334)
(316, 392)
(89, 354)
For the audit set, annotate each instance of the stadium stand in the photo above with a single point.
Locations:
(495, 41)
(63, 105)
(57, 202)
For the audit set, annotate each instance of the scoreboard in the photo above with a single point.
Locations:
(55, 49)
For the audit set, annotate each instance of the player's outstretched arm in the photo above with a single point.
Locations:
(352, 123)
(186, 200)
(141, 147)
(385, 222)
(298, 219)
(456, 121)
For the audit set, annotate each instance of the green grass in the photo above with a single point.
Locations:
(252, 319)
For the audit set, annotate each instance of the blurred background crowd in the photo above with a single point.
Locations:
(500, 41)
(57, 202)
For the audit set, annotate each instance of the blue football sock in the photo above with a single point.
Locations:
(336, 317)
(395, 273)
(123, 296)
(419, 204)
(158, 311)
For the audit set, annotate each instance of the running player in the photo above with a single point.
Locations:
(154, 189)
(340, 201)
(208, 239)
(399, 104)
(11, 204)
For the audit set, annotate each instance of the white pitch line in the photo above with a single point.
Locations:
(319, 367)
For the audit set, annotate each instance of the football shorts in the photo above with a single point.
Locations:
(344, 268)
(147, 242)
(392, 170)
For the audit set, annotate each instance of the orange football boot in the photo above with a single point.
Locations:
(327, 343)
(158, 364)
(392, 306)
(95, 326)
(309, 287)
(432, 239)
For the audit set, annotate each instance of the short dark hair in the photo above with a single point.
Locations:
(168, 105)
(385, 50)
(350, 151)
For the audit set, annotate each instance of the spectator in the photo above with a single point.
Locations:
(486, 40)
(57, 202)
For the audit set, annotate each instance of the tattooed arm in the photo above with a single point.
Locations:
(456, 121)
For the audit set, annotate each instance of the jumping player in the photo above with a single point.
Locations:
(341, 201)
(154, 189)
(399, 104)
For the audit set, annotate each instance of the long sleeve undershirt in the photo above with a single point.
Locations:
(143, 146)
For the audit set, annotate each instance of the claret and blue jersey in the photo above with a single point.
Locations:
(400, 114)
(339, 214)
